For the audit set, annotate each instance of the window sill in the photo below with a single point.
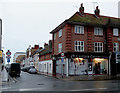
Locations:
(78, 34)
(99, 35)
(115, 36)
(98, 52)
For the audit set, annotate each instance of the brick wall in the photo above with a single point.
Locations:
(45, 57)
(69, 37)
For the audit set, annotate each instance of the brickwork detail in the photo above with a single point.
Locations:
(109, 39)
(89, 39)
(68, 33)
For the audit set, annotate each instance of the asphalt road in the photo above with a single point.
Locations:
(36, 82)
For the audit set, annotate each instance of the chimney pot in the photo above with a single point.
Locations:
(81, 9)
(97, 11)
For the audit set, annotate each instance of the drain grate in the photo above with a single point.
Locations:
(41, 84)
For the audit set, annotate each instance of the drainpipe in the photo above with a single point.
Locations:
(67, 66)
(109, 65)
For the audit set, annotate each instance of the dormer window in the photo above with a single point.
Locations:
(115, 32)
(79, 29)
(98, 31)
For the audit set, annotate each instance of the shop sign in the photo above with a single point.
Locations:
(79, 56)
(88, 56)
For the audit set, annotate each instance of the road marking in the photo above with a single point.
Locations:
(28, 89)
(92, 89)
(6, 88)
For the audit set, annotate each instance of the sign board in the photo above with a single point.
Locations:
(8, 53)
(62, 59)
(8, 56)
(62, 54)
(117, 57)
(8, 60)
(0, 53)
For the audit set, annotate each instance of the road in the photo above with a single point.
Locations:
(36, 82)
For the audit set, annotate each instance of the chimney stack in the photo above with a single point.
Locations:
(97, 11)
(81, 9)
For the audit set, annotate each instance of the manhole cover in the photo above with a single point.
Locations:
(41, 84)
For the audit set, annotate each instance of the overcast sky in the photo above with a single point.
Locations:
(29, 22)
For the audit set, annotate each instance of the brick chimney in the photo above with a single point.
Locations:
(97, 11)
(36, 46)
(45, 45)
(81, 10)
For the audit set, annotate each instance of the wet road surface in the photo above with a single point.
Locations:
(36, 82)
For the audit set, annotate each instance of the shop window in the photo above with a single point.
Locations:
(79, 46)
(60, 48)
(115, 47)
(115, 32)
(100, 66)
(98, 31)
(98, 46)
(79, 29)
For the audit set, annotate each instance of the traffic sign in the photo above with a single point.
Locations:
(8, 56)
(8, 60)
(117, 57)
(62, 54)
(8, 53)
(62, 59)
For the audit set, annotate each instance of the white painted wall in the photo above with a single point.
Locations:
(45, 66)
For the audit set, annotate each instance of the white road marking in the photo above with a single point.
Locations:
(28, 89)
(92, 89)
(6, 88)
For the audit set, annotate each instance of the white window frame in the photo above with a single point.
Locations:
(98, 31)
(79, 29)
(59, 47)
(79, 46)
(115, 32)
(60, 32)
(98, 46)
(115, 47)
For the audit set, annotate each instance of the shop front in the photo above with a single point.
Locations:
(88, 64)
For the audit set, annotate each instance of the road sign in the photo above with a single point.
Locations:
(8, 53)
(0, 53)
(62, 54)
(62, 59)
(117, 57)
(8, 56)
(8, 60)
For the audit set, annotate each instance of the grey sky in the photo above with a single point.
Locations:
(28, 22)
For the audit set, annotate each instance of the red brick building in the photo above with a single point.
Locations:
(90, 43)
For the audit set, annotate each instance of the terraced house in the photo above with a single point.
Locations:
(90, 43)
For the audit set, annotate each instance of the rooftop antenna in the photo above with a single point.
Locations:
(94, 5)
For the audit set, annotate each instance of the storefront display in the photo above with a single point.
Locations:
(100, 66)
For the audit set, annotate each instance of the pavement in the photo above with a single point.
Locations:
(89, 78)
(85, 77)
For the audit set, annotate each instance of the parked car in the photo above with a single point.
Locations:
(32, 71)
(26, 68)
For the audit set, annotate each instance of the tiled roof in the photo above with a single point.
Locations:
(90, 19)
